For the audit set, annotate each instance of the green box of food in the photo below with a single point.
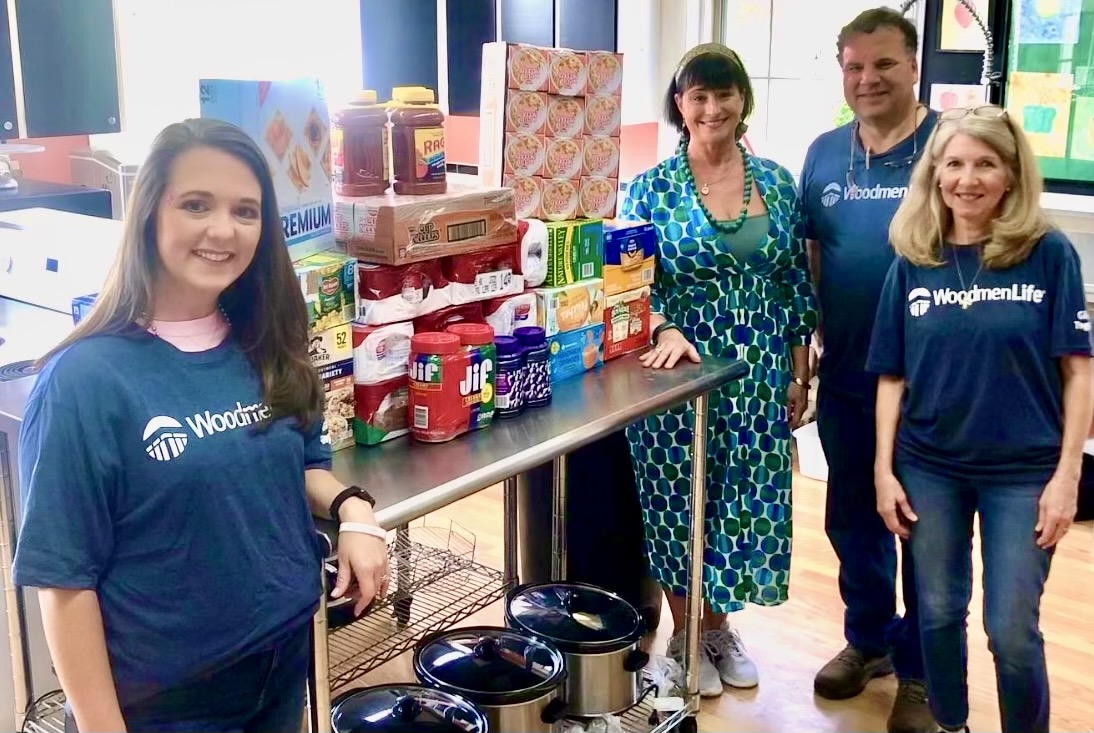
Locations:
(575, 251)
(328, 281)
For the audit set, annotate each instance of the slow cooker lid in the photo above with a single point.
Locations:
(407, 709)
(575, 616)
(490, 666)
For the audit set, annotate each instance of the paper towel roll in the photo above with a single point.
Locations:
(533, 251)
(380, 353)
(507, 314)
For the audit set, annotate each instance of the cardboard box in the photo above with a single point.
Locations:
(81, 307)
(570, 307)
(331, 353)
(527, 195)
(565, 117)
(573, 353)
(575, 251)
(327, 280)
(569, 72)
(630, 255)
(289, 121)
(563, 158)
(527, 67)
(600, 157)
(396, 230)
(560, 200)
(603, 116)
(605, 73)
(626, 322)
(597, 198)
(526, 112)
(524, 155)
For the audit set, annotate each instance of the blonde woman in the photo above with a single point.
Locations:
(982, 344)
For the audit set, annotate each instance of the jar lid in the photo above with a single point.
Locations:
(575, 617)
(473, 334)
(405, 708)
(530, 335)
(507, 345)
(490, 666)
(364, 97)
(435, 342)
(412, 95)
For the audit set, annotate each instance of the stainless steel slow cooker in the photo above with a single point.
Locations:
(513, 677)
(598, 633)
(404, 709)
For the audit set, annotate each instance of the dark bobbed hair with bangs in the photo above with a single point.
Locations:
(713, 71)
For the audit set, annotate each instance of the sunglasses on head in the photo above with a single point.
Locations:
(984, 110)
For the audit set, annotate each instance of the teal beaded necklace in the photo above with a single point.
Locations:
(723, 227)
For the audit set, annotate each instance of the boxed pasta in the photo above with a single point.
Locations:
(394, 230)
(290, 123)
(630, 255)
(331, 352)
(327, 281)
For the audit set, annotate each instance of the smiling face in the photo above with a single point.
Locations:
(208, 226)
(973, 179)
(711, 115)
(879, 74)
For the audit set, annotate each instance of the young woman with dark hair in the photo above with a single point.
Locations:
(173, 457)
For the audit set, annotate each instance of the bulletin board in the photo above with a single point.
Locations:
(1049, 86)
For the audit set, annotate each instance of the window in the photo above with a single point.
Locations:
(789, 50)
(166, 46)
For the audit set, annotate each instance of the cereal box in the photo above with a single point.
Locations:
(570, 307)
(327, 281)
(630, 255)
(331, 353)
(575, 352)
(289, 121)
(575, 251)
(626, 322)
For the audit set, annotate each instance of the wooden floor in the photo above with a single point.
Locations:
(792, 641)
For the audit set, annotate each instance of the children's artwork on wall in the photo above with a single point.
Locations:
(1042, 105)
(1082, 129)
(1049, 21)
(960, 31)
(948, 96)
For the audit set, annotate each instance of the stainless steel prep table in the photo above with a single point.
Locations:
(409, 480)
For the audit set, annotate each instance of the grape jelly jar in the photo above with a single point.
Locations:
(509, 392)
(536, 375)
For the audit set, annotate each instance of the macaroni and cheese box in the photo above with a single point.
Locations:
(630, 255)
(331, 352)
(327, 280)
(289, 122)
(575, 251)
(626, 322)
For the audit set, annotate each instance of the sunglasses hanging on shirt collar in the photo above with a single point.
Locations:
(902, 163)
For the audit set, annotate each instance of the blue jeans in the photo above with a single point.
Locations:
(867, 551)
(1015, 570)
(259, 693)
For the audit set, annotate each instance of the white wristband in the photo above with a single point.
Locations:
(362, 528)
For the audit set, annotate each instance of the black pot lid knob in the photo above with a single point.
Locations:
(487, 648)
(406, 709)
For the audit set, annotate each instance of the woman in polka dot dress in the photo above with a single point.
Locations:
(732, 281)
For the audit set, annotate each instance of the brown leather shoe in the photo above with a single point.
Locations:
(847, 674)
(911, 714)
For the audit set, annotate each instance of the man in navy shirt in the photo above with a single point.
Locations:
(853, 180)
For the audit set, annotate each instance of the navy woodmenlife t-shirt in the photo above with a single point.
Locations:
(983, 396)
(144, 478)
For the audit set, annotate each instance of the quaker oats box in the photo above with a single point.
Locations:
(331, 352)
(290, 123)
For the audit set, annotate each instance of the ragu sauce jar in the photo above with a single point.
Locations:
(359, 148)
(417, 142)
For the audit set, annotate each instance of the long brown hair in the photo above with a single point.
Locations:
(923, 219)
(265, 305)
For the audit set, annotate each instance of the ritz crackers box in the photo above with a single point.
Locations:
(289, 122)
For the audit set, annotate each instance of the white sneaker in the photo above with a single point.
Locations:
(710, 683)
(735, 667)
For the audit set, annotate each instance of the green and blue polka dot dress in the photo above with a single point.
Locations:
(753, 309)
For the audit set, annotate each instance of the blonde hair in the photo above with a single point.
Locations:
(923, 219)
